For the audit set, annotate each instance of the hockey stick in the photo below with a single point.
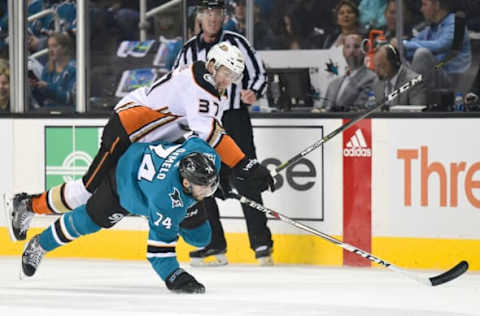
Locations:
(445, 277)
(409, 84)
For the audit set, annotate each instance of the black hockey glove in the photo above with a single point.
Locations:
(181, 281)
(254, 174)
(223, 191)
(195, 216)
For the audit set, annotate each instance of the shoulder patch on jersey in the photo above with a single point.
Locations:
(176, 199)
(204, 79)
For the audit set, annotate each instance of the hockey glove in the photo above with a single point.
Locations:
(254, 174)
(195, 216)
(181, 281)
(223, 191)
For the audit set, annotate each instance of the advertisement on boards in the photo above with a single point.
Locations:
(357, 190)
(299, 187)
(427, 178)
(69, 151)
(299, 190)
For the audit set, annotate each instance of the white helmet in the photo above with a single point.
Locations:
(225, 54)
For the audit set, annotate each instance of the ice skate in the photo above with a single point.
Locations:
(208, 257)
(263, 254)
(32, 256)
(19, 215)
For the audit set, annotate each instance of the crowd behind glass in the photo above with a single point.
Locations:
(277, 25)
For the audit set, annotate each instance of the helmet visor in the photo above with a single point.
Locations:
(200, 192)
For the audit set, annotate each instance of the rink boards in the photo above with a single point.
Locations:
(407, 190)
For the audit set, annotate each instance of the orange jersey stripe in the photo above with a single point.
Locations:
(136, 117)
(229, 151)
(99, 166)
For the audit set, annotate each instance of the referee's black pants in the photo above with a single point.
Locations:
(238, 126)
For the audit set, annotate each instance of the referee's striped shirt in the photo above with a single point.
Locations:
(254, 75)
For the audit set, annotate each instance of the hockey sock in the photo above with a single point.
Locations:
(61, 198)
(67, 228)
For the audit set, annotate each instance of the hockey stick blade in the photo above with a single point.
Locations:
(406, 86)
(445, 277)
(451, 274)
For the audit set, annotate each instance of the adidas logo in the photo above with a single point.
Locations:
(357, 146)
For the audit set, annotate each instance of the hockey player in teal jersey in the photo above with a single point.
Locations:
(159, 181)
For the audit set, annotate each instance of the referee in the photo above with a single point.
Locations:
(236, 121)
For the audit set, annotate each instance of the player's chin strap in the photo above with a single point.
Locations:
(405, 87)
(447, 276)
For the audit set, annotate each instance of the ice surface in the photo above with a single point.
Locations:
(98, 287)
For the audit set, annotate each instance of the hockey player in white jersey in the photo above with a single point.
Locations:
(187, 99)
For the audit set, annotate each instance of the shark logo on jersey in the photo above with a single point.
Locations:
(209, 78)
(175, 197)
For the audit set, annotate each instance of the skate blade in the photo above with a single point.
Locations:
(211, 261)
(7, 204)
(265, 261)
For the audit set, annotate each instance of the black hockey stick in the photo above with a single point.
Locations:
(409, 84)
(447, 276)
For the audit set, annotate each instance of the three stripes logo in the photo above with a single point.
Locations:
(357, 146)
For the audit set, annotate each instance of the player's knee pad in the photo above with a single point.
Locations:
(199, 236)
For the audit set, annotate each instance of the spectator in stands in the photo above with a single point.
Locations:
(264, 38)
(67, 13)
(236, 23)
(57, 85)
(371, 13)
(350, 91)
(347, 18)
(433, 45)
(4, 87)
(319, 22)
(291, 30)
(3, 28)
(392, 75)
(36, 28)
(391, 20)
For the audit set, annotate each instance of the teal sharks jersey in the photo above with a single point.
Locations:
(148, 184)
